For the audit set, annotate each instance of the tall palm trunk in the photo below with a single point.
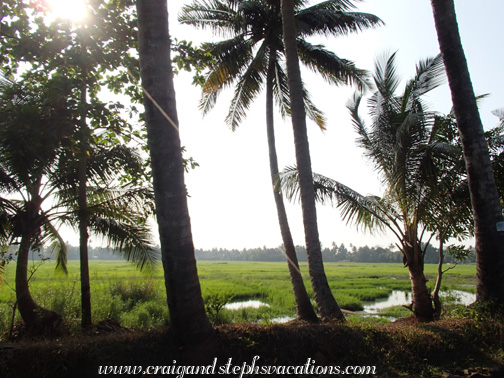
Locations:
(327, 305)
(187, 311)
(304, 309)
(487, 211)
(86, 320)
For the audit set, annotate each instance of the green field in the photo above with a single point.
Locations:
(138, 300)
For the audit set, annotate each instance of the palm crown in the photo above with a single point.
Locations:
(255, 50)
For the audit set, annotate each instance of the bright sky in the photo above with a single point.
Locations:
(231, 204)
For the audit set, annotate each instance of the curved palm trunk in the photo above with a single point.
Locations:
(26, 305)
(37, 319)
(327, 305)
(304, 309)
(487, 211)
(187, 312)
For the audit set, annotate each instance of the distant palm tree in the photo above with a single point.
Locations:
(252, 59)
(487, 209)
(37, 165)
(420, 168)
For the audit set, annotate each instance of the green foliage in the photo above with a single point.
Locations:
(395, 312)
(214, 303)
(133, 291)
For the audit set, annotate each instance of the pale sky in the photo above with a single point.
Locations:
(231, 203)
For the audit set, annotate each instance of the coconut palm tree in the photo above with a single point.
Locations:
(187, 311)
(251, 59)
(37, 167)
(487, 209)
(407, 144)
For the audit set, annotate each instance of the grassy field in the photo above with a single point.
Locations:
(138, 300)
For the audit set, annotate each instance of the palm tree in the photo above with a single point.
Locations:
(487, 210)
(187, 311)
(406, 144)
(252, 58)
(37, 165)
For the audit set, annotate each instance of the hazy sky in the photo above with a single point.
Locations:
(231, 203)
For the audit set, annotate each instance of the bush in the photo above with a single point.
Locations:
(145, 315)
(133, 291)
(214, 303)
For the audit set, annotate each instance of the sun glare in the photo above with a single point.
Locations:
(74, 10)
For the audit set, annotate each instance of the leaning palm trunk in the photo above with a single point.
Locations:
(327, 305)
(38, 320)
(304, 308)
(487, 211)
(187, 311)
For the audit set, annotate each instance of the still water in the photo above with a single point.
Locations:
(399, 298)
(396, 298)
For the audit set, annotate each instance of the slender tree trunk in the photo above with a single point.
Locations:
(304, 308)
(86, 320)
(327, 305)
(435, 293)
(187, 311)
(487, 211)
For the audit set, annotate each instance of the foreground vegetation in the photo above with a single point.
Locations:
(130, 310)
(455, 346)
(125, 296)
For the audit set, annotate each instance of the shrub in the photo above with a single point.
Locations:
(133, 291)
(214, 303)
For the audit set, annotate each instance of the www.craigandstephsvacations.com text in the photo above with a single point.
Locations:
(239, 370)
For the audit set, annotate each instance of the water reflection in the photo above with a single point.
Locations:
(245, 304)
(399, 298)
(396, 298)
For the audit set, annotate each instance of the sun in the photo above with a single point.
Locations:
(74, 10)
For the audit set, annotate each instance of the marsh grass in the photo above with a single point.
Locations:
(120, 292)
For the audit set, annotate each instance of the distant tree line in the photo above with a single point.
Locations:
(336, 253)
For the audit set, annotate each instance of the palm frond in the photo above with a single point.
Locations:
(219, 16)
(133, 241)
(334, 18)
(369, 212)
(57, 245)
(332, 68)
(230, 57)
(281, 89)
(499, 113)
(430, 74)
(313, 113)
(247, 88)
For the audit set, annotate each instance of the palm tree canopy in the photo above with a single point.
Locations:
(255, 31)
(415, 152)
(38, 162)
